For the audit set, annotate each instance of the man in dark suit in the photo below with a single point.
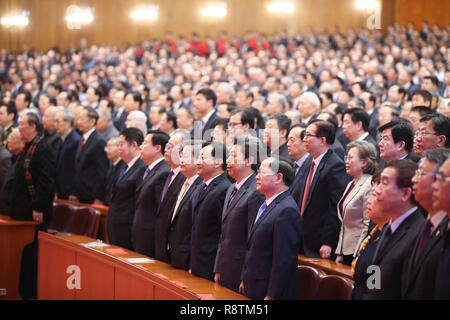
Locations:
(297, 151)
(270, 265)
(91, 164)
(180, 226)
(322, 174)
(115, 168)
(242, 202)
(34, 178)
(171, 189)
(356, 125)
(370, 101)
(393, 252)
(428, 245)
(5, 163)
(207, 207)
(50, 134)
(441, 190)
(275, 135)
(8, 117)
(149, 192)
(15, 146)
(122, 205)
(65, 163)
(397, 139)
(203, 106)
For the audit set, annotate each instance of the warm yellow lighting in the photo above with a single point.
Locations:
(146, 13)
(216, 10)
(76, 16)
(280, 7)
(367, 4)
(16, 20)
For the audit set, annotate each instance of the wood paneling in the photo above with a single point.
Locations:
(418, 11)
(112, 23)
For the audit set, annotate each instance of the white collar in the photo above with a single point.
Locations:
(88, 134)
(132, 162)
(154, 163)
(240, 184)
(398, 222)
(210, 180)
(206, 118)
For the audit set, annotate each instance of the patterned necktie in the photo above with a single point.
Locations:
(166, 185)
(233, 193)
(362, 247)
(82, 143)
(180, 197)
(308, 185)
(203, 188)
(147, 171)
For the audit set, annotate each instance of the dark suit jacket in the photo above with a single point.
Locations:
(180, 228)
(282, 152)
(393, 257)
(374, 123)
(209, 125)
(237, 219)
(65, 167)
(111, 178)
(119, 123)
(163, 217)
(122, 205)
(147, 204)
(360, 289)
(91, 166)
(411, 156)
(442, 284)
(53, 140)
(296, 187)
(6, 189)
(43, 175)
(321, 224)
(206, 226)
(5, 163)
(270, 267)
(417, 283)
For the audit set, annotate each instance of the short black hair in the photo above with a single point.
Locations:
(247, 116)
(441, 125)
(359, 115)
(251, 147)
(219, 151)
(171, 117)
(406, 169)
(159, 138)
(10, 108)
(433, 79)
(427, 97)
(27, 95)
(401, 130)
(208, 94)
(285, 169)
(325, 129)
(133, 135)
(331, 118)
(284, 123)
(91, 113)
(422, 110)
(136, 96)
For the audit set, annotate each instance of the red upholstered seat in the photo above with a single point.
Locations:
(85, 222)
(308, 282)
(333, 287)
(62, 217)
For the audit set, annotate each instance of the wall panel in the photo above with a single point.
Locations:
(112, 24)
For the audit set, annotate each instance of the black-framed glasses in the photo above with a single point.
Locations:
(307, 135)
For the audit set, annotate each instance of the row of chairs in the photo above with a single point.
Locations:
(314, 284)
(68, 218)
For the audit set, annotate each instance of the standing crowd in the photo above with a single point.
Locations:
(229, 158)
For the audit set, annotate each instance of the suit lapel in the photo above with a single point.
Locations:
(266, 213)
(239, 194)
(211, 186)
(187, 197)
(149, 175)
(353, 193)
(317, 176)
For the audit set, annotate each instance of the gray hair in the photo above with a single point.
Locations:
(437, 156)
(68, 114)
(367, 151)
(280, 99)
(104, 113)
(313, 98)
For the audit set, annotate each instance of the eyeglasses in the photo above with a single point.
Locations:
(441, 178)
(307, 135)
(347, 158)
(423, 133)
(233, 124)
(264, 172)
(420, 173)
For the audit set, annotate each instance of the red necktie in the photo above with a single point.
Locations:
(308, 185)
(82, 143)
(423, 239)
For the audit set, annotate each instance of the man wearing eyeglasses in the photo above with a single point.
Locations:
(423, 261)
(270, 265)
(441, 191)
(323, 182)
(433, 133)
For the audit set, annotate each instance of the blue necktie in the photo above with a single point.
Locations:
(260, 211)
